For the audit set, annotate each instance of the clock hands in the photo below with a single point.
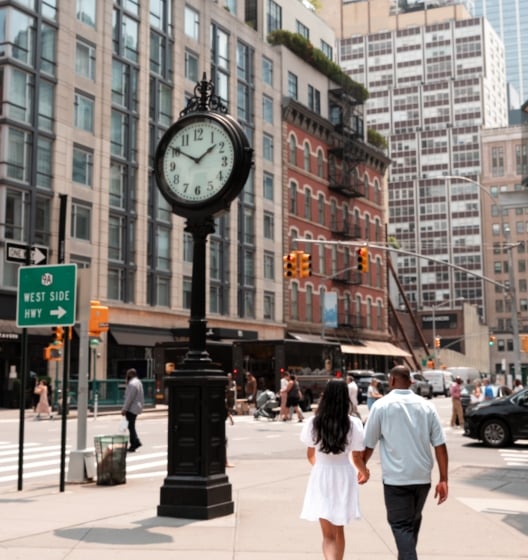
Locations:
(195, 159)
(210, 149)
(180, 152)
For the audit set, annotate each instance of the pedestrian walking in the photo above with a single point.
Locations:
(333, 438)
(133, 406)
(407, 427)
(43, 406)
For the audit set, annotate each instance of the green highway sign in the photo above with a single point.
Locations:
(46, 295)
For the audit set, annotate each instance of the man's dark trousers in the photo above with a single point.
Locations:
(134, 440)
(404, 506)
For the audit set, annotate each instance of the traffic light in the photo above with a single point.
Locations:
(58, 335)
(98, 321)
(290, 265)
(305, 265)
(437, 342)
(492, 340)
(52, 352)
(362, 259)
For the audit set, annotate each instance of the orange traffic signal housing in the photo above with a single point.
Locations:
(98, 321)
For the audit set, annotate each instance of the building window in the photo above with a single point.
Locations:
(220, 61)
(274, 16)
(321, 209)
(267, 109)
(307, 203)
(322, 258)
(306, 157)
(294, 294)
(17, 153)
(267, 71)
(267, 147)
(84, 112)
(85, 12)
(116, 238)
(267, 179)
(85, 60)
(269, 226)
(308, 304)
(292, 150)
(327, 49)
(44, 162)
(46, 106)
(187, 247)
(521, 159)
(125, 36)
(497, 161)
(82, 169)
(302, 30)
(293, 90)
(187, 292)
(320, 164)
(293, 198)
(314, 100)
(269, 266)
(269, 306)
(80, 222)
(191, 66)
(192, 23)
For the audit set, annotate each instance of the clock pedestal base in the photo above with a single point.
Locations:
(196, 486)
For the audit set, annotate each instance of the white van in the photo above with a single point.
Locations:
(467, 374)
(440, 380)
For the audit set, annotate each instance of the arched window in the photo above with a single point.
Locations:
(379, 317)
(366, 186)
(377, 191)
(358, 311)
(369, 314)
(308, 203)
(306, 160)
(293, 198)
(293, 150)
(320, 164)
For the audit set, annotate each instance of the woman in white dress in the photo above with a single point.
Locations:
(333, 438)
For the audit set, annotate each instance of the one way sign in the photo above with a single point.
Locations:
(17, 253)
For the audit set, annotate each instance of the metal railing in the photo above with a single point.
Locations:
(110, 393)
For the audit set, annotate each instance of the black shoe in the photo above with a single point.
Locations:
(131, 449)
(139, 444)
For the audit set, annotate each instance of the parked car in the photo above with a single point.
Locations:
(421, 386)
(364, 382)
(499, 422)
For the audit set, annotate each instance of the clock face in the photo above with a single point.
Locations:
(198, 161)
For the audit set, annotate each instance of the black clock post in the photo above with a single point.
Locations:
(201, 165)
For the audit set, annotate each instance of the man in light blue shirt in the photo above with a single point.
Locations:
(407, 427)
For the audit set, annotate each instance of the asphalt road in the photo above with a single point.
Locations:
(248, 440)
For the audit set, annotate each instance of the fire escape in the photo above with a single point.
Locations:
(343, 177)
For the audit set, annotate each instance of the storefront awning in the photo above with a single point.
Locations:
(126, 336)
(375, 348)
(9, 330)
(303, 337)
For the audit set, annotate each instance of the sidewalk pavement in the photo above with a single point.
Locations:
(486, 516)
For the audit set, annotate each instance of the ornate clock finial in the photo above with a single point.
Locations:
(204, 98)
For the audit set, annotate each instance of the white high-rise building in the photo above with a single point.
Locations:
(436, 77)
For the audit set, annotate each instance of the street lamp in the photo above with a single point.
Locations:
(517, 374)
(434, 307)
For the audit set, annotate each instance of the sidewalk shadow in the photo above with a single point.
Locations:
(143, 534)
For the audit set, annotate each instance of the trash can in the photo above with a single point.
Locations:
(110, 456)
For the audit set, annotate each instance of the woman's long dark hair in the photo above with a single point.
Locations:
(331, 422)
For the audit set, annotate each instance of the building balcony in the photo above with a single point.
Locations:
(345, 229)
